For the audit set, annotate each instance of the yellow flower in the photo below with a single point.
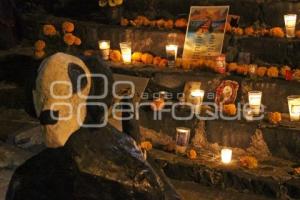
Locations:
(113, 3)
(136, 56)
(146, 145)
(39, 45)
(77, 41)
(69, 39)
(192, 154)
(68, 27)
(49, 30)
(39, 54)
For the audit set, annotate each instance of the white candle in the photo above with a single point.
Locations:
(197, 99)
(255, 101)
(126, 52)
(182, 139)
(290, 24)
(104, 46)
(171, 51)
(226, 155)
(294, 107)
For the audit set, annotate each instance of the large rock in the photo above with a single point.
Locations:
(94, 164)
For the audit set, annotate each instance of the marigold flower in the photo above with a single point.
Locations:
(39, 54)
(229, 109)
(249, 162)
(39, 45)
(277, 32)
(191, 154)
(49, 30)
(146, 145)
(242, 69)
(169, 24)
(181, 23)
(136, 56)
(115, 56)
(274, 117)
(124, 21)
(77, 41)
(232, 67)
(284, 69)
(273, 72)
(68, 27)
(156, 60)
(249, 31)
(163, 63)
(69, 39)
(261, 71)
(147, 58)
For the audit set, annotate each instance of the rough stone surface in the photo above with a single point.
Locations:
(269, 179)
(93, 164)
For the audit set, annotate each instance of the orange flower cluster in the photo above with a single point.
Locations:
(146, 145)
(39, 47)
(71, 39)
(49, 30)
(277, 32)
(115, 56)
(249, 162)
(274, 117)
(191, 154)
(160, 23)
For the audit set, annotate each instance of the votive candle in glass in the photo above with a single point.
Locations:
(171, 51)
(197, 99)
(255, 101)
(182, 139)
(290, 24)
(226, 155)
(294, 107)
(126, 52)
(104, 46)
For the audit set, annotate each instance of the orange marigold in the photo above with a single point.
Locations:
(163, 63)
(249, 162)
(49, 30)
(40, 45)
(169, 24)
(232, 67)
(147, 58)
(242, 69)
(277, 32)
(69, 39)
(77, 41)
(136, 56)
(274, 117)
(261, 71)
(115, 56)
(273, 72)
(156, 60)
(39, 54)
(284, 69)
(146, 145)
(124, 21)
(249, 31)
(229, 109)
(68, 27)
(191, 154)
(181, 23)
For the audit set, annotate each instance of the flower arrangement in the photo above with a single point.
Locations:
(111, 3)
(55, 39)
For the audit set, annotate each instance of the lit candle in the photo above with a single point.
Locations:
(197, 99)
(171, 51)
(226, 155)
(126, 52)
(290, 24)
(104, 46)
(255, 101)
(294, 107)
(182, 139)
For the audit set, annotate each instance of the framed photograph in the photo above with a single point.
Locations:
(205, 32)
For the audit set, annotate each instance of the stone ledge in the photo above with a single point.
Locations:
(272, 178)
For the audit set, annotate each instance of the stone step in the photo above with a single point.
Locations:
(273, 178)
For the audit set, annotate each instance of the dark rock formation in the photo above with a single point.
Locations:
(94, 164)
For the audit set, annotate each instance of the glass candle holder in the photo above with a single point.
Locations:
(197, 99)
(294, 107)
(255, 101)
(171, 51)
(104, 46)
(126, 52)
(182, 139)
(290, 24)
(226, 155)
